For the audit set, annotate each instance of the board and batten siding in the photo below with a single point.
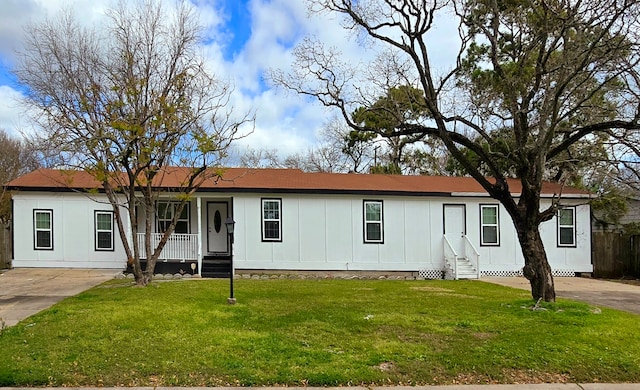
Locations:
(326, 233)
(73, 232)
(319, 232)
(508, 255)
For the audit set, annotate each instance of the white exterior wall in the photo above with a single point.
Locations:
(508, 256)
(319, 232)
(326, 233)
(73, 232)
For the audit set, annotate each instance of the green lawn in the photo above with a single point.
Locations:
(316, 332)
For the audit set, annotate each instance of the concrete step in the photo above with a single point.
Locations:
(464, 269)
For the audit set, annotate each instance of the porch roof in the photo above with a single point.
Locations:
(258, 180)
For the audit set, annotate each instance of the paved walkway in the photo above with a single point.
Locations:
(26, 291)
(594, 291)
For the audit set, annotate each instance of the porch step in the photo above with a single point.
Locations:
(215, 268)
(215, 275)
(465, 269)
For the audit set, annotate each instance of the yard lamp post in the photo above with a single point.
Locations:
(230, 223)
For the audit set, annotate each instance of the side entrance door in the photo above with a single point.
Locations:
(454, 226)
(217, 241)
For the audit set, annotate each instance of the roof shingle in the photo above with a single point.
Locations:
(289, 180)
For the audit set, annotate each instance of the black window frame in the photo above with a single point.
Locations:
(365, 222)
(174, 204)
(482, 224)
(559, 226)
(36, 230)
(96, 231)
(264, 221)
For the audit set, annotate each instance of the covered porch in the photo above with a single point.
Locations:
(199, 245)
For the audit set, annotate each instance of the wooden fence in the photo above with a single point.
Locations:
(615, 255)
(5, 246)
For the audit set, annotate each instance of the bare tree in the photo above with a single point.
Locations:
(331, 154)
(316, 159)
(615, 180)
(16, 159)
(259, 158)
(336, 151)
(127, 104)
(543, 75)
(623, 166)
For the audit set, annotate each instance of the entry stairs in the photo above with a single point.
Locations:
(465, 270)
(462, 263)
(216, 266)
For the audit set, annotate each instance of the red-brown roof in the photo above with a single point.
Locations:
(288, 180)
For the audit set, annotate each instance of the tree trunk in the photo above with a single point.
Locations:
(144, 277)
(536, 267)
(150, 269)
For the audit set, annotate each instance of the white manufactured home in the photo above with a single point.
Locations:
(289, 220)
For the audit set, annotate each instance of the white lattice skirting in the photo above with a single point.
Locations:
(502, 273)
(440, 274)
(516, 273)
(563, 272)
(430, 274)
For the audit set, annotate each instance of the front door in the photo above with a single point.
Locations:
(454, 226)
(217, 241)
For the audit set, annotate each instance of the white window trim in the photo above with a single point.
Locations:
(97, 230)
(572, 226)
(36, 229)
(366, 221)
(482, 224)
(264, 220)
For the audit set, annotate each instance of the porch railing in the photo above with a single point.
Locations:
(472, 255)
(450, 256)
(178, 246)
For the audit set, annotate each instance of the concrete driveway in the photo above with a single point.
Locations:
(594, 291)
(26, 291)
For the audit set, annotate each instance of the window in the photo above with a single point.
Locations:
(489, 225)
(104, 230)
(567, 226)
(166, 210)
(373, 230)
(43, 229)
(271, 220)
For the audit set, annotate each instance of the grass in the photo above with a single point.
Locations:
(316, 332)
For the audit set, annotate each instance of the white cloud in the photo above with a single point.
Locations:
(284, 121)
(10, 112)
(14, 15)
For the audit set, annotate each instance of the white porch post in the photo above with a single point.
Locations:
(199, 207)
(129, 232)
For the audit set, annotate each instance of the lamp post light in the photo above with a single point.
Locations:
(230, 223)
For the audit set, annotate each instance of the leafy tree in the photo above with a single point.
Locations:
(355, 157)
(401, 104)
(127, 104)
(531, 80)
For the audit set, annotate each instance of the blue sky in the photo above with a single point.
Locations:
(238, 25)
(247, 37)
